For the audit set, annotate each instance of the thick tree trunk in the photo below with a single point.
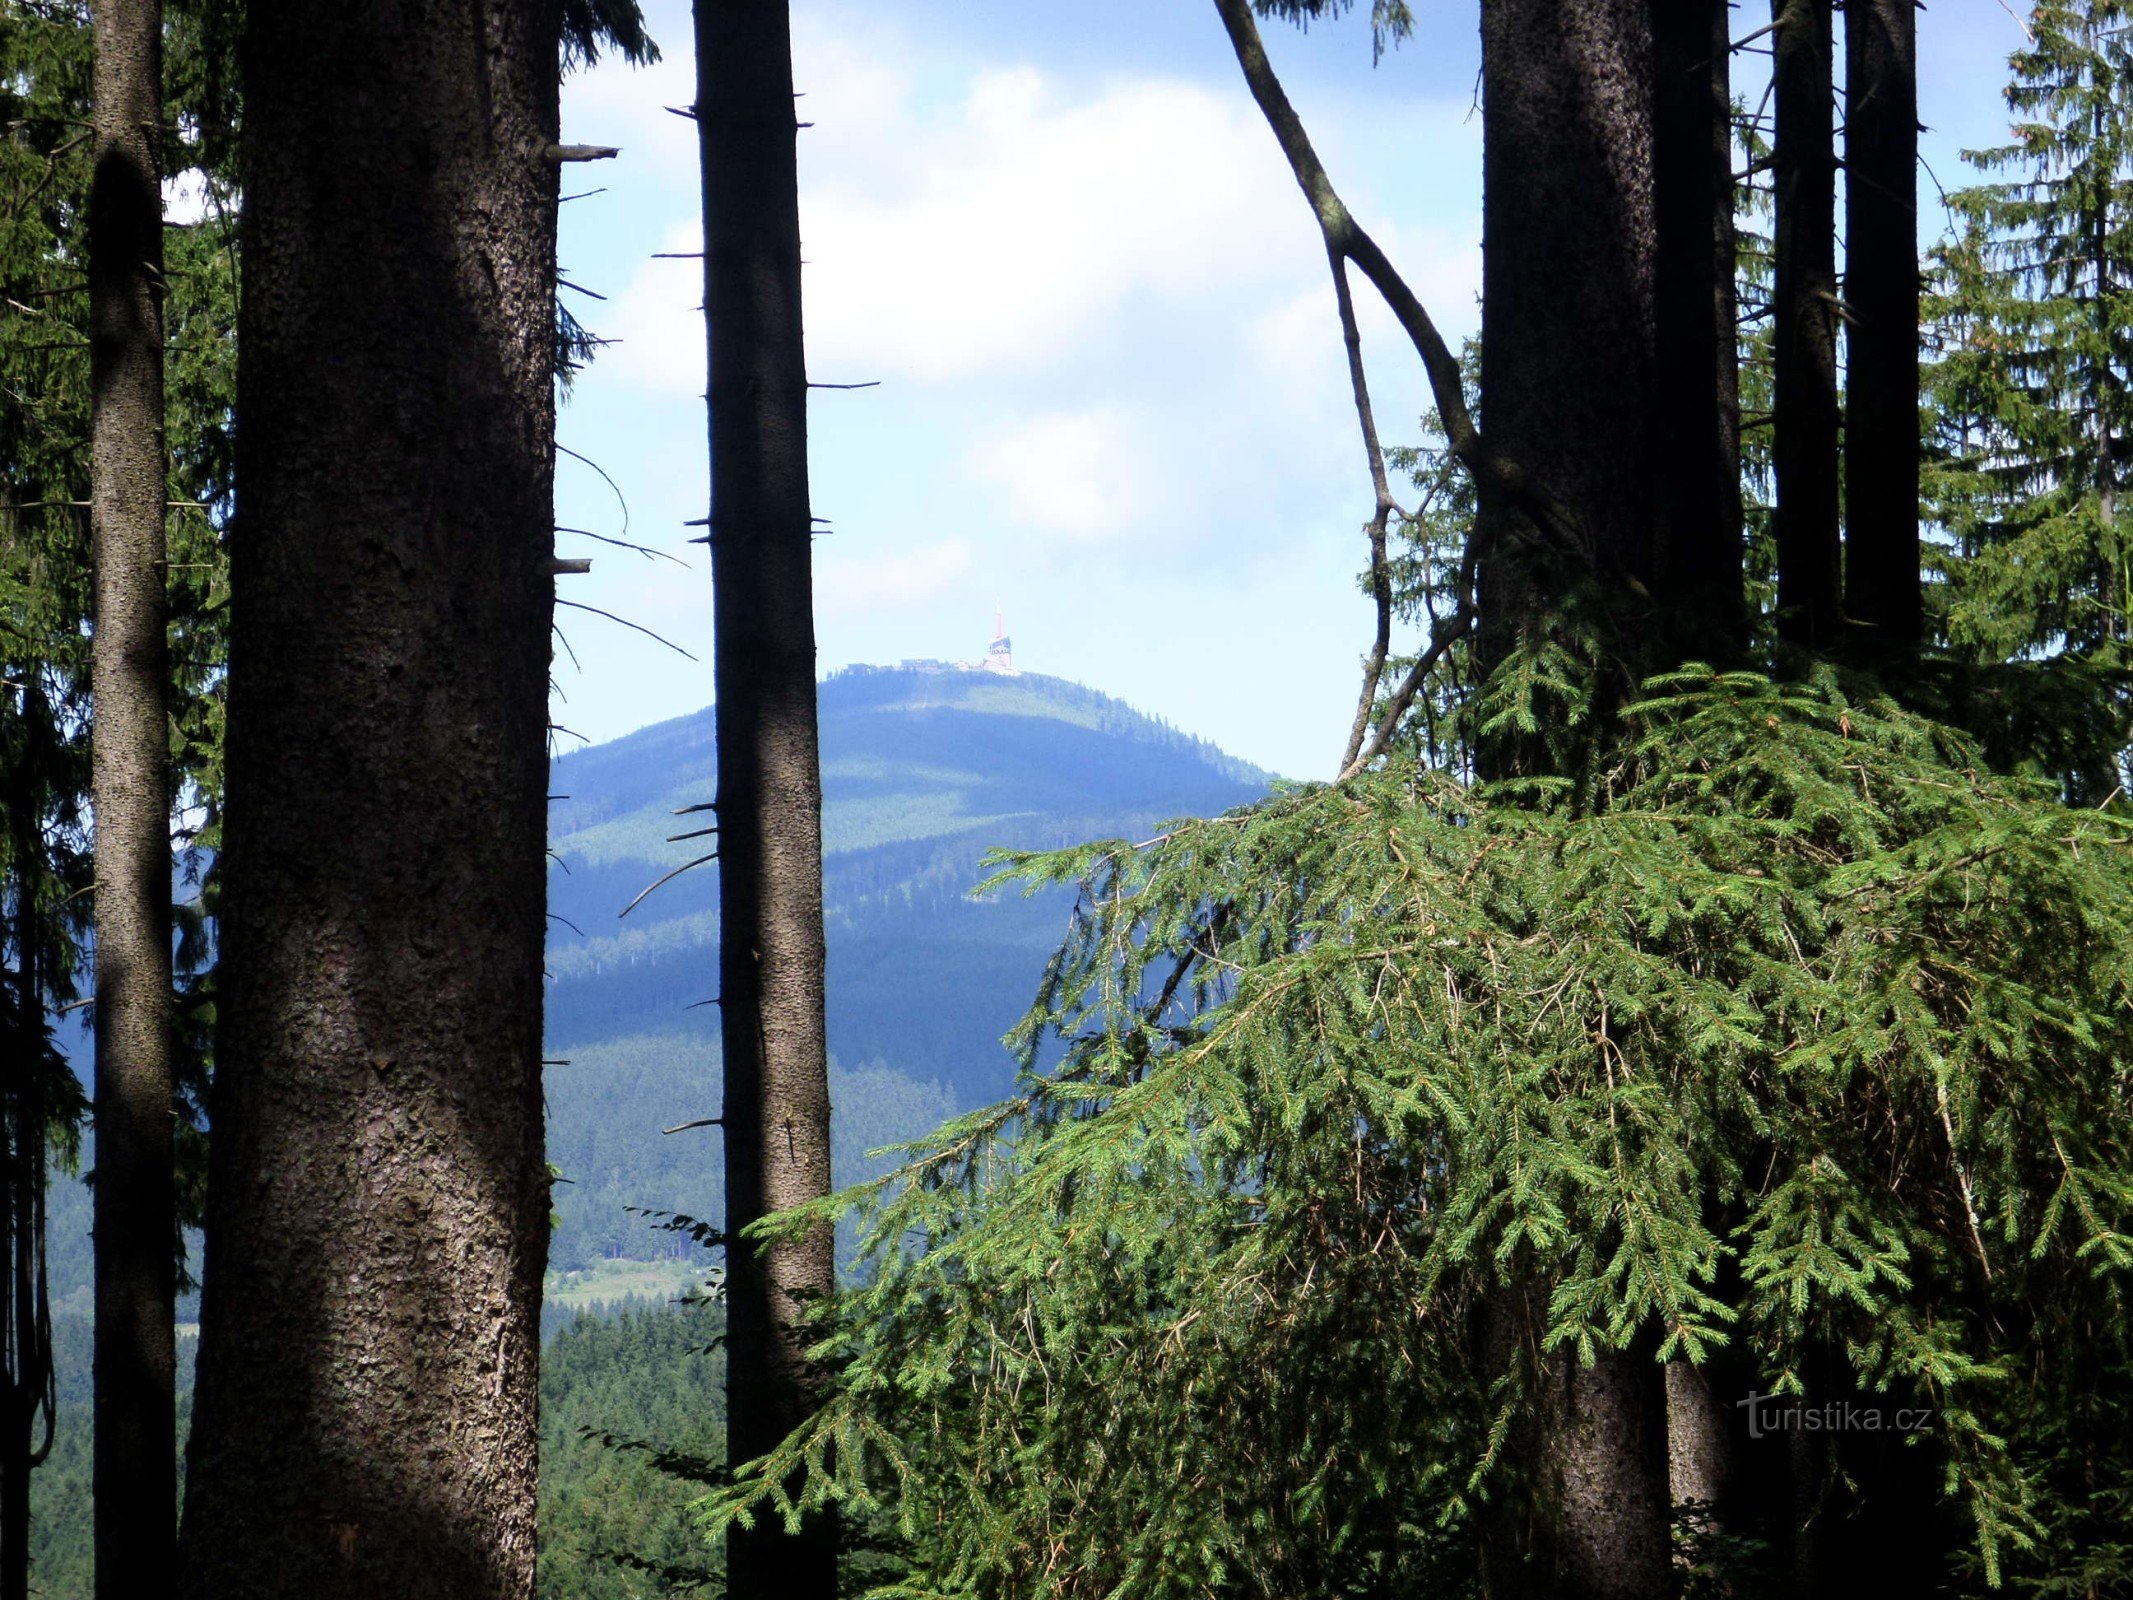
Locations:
(1697, 377)
(1569, 240)
(1583, 1512)
(1804, 431)
(1881, 578)
(378, 1206)
(1567, 389)
(136, 1197)
(769, 777)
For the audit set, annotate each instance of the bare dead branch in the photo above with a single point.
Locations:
(577, 605)
(661, 882)
(700, 1122)
(1346, 237)
(1375, 529)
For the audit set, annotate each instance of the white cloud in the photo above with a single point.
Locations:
(1027, 229)
(1078, 474)
(848, 587)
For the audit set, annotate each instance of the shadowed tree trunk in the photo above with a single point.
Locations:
(1697, 390)
(1568, 388)
(769, 779)
(25, 1324)
(1804, 431)
(1881, 583)
(136, 1198)
(378, 1205)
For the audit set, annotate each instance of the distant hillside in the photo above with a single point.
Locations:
(923, 772)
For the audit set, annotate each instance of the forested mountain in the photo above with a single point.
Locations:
(925, 769)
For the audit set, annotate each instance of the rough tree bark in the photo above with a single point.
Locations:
(136, 1196)
(776, 1117)
(1568, 253)
(1804, 431)
(1881, 579)
(1698, 577)
(378, 1206)
(1568, 389)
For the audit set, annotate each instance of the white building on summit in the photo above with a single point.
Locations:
(999, 655)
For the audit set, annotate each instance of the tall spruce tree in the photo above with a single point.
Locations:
(48, 168)
(769, 807)
(377, 1211)
(2034, 319)
(1696, 362)
(1569, 383)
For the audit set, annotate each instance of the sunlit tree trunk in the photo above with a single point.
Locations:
(136, 1197)
(378, 1203)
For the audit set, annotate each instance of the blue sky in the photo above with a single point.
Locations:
(1112, 395)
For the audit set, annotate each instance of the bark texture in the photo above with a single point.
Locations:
(1570, 237)
(1804, 431)
(1881, 454)
(1699, 1438)
(1568, 258)
(1697, 416)
(1584, 1514)
(136, 1196)
(769, 773)
(378, 1208)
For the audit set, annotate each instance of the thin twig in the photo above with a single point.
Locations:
(644, 550)
(579, 605)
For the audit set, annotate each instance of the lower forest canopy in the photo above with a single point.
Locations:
(1656, 1123)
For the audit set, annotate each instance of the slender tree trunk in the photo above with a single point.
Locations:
(1804, 431)
(769, 777)
(1697, 375)
(378, 1204)
(1881, 448)
(27, 1322)
(136, 1197)
(1568, 387)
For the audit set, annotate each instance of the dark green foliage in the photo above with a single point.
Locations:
(2030, 404)
(62, 1552)
(1390, 20)
(588, 24)
(643, 1372)
(1189, 1315)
